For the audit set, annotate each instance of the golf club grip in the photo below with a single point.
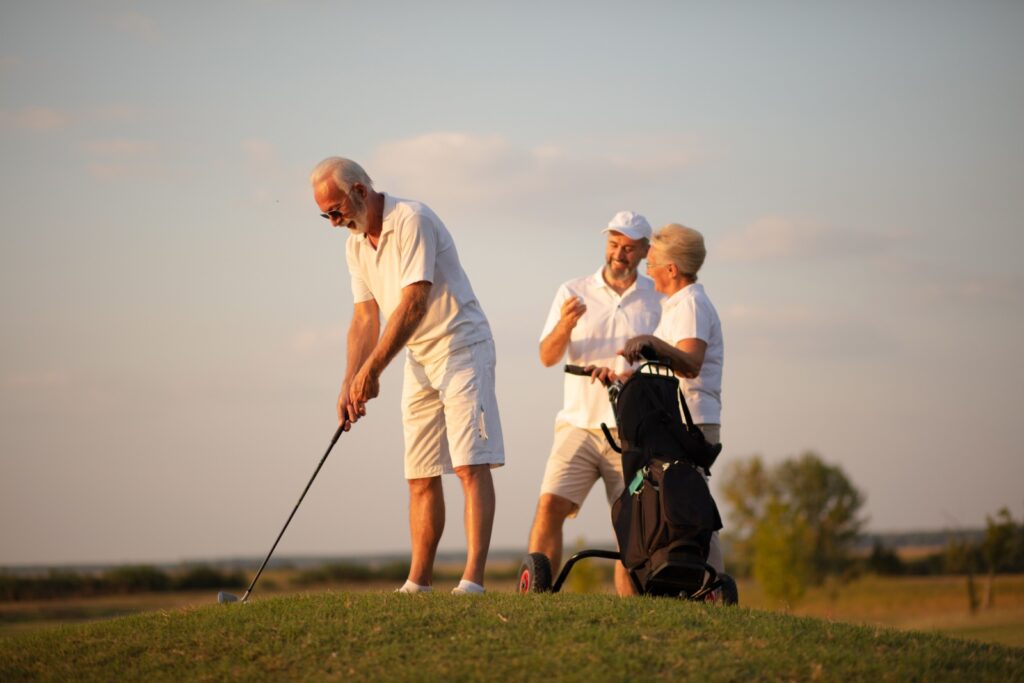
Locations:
(576, 370)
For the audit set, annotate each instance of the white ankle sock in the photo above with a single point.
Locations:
(410, 587)
(467, 588)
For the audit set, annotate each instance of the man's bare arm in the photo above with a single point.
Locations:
(402, 323)
(686, 357)
(554, 346)
(363, 331)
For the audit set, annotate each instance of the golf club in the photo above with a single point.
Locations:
(223, 597)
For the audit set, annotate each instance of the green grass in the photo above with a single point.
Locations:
(500, 636)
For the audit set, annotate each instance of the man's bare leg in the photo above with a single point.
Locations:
(546, 533)
(426, 523)
(478, 488)
(623, 584)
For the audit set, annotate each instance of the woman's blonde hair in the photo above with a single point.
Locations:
(682, 246)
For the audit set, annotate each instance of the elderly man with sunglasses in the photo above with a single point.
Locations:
(404, 265)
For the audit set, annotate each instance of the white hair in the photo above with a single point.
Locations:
(344, 172)
(682, 246)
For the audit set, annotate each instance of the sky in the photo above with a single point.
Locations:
(174, 310)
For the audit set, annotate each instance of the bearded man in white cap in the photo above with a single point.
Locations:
(590, 319)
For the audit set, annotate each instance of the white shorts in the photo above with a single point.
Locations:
(450, 413)
(579, 457)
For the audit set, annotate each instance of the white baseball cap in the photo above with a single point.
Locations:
(631, 224)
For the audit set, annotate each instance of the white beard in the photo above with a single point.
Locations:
(357, 223)
(618, 276)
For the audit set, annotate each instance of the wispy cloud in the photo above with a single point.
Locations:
(122, 148)
(124, 158)
(932, 283)
(116, 113)
(775, 239)
(259, 152)
(485, 170)
(795, 331)
(35, 118)
(138, 25)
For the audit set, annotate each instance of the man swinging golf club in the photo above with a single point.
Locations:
(404, 265)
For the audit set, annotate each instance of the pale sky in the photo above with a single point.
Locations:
(174, 310)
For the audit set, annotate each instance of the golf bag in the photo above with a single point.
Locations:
(665, 516)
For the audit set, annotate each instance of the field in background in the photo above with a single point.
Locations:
(932, 603)
(922, 603)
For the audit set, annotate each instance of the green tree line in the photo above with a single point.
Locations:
(791, 525)
(59, 583)
(797, 523)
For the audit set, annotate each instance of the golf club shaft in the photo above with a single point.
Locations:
(256, 578)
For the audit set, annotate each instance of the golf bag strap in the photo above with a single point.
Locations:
(610, 438)
(715, 448)
(686, 412)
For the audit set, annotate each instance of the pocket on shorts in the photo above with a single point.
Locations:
(481, 422)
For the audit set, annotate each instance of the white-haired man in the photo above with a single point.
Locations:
(590, 319)
(404, 265)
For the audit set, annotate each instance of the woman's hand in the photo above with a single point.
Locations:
(633, 347)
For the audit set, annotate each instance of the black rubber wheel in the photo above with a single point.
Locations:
(535, 574)
(730, 593)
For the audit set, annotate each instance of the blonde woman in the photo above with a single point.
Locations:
(689, 335)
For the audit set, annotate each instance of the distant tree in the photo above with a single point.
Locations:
(746, 490)
(587, 576)
(962, 558)
(884, 561)
(802, 501)
(998, 548)
(829, 504)
(137, 579)
(781, 546)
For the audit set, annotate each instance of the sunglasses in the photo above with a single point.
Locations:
(333, 214)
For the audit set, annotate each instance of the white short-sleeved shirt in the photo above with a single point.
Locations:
(689, 314)
(415, 246)
(609, 321)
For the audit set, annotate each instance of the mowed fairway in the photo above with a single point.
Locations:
(936, 604)
(387, 636)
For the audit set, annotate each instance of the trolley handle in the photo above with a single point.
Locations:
(647, 353)
(582, 372)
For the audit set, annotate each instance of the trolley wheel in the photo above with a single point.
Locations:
(730, 593)
(535, 574)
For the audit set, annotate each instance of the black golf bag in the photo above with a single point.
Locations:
(665, 516)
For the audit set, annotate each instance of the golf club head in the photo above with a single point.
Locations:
(223, 597)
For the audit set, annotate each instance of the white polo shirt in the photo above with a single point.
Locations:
(415, 246)
(689, 314)
(610, 320)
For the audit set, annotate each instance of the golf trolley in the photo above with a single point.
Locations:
(665, 517)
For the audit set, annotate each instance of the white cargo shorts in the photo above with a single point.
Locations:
(579, 457)
(450, 412)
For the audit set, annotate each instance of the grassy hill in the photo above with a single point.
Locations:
(387, 636)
